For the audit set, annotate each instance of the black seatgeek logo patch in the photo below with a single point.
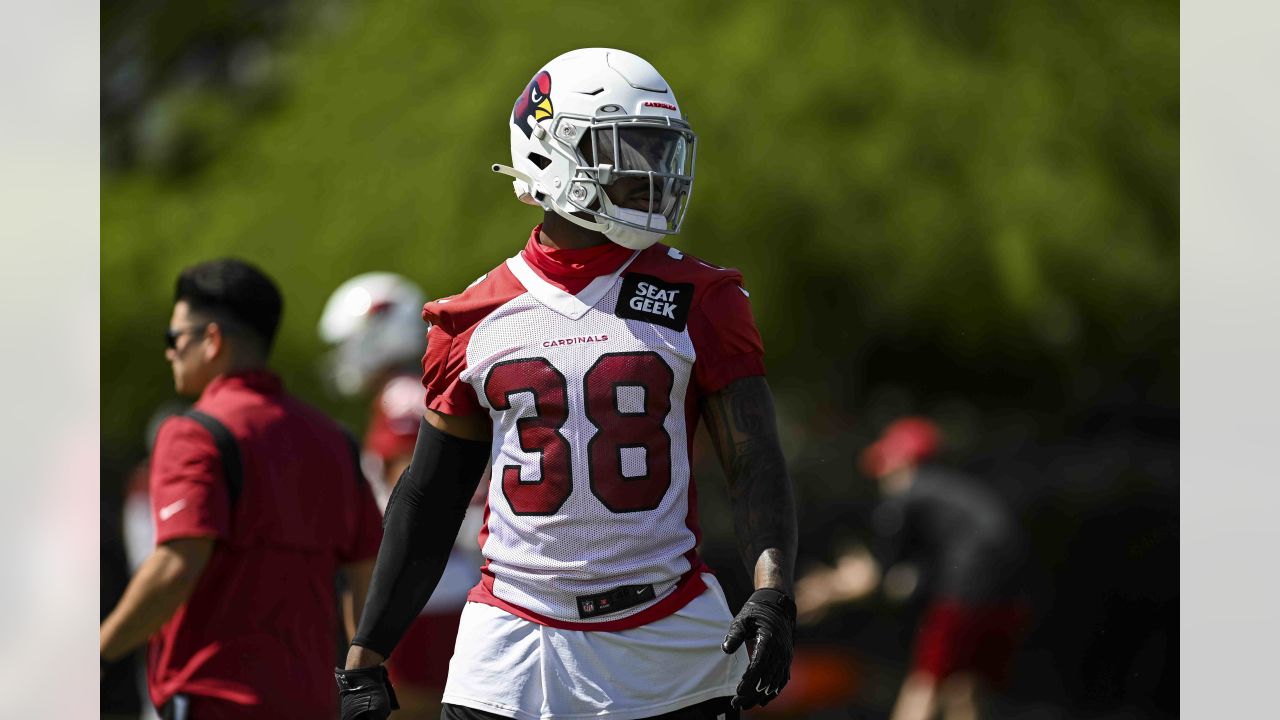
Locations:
(649, 299)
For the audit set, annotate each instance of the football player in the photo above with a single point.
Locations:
(972, 547)
(374, 324)
(577, 371)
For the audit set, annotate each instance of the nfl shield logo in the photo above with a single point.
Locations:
(588, 606)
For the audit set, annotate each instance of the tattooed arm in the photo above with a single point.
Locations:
(741, 422)
(740, 419)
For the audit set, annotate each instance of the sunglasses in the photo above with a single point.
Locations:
(171, 335)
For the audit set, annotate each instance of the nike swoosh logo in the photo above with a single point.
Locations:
(172, 509)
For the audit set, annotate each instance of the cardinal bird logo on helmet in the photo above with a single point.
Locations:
(534, 102)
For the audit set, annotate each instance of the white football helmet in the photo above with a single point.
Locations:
(592, 117)
(374, 321)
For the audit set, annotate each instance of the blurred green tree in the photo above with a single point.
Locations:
(974, 198)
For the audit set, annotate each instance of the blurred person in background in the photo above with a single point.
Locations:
(374, 324)
(949, 537)
(578, 370)
(258, 500)
(119, 696)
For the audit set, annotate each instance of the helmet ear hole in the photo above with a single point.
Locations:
(542, 161)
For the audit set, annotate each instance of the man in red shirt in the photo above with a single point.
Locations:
(254, 514)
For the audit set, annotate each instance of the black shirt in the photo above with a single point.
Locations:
(962, 533)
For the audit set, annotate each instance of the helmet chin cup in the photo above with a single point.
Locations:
(631, 238)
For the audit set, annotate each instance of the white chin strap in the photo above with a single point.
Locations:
(624, 235)
(635, 238)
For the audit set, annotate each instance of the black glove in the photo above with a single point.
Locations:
(767, 623)
(366, 693)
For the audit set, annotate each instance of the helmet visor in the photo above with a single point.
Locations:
(651, 167)
(639, 149)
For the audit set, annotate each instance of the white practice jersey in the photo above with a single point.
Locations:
(592, 516)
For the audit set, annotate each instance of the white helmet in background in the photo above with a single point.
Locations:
(593, 116)
(374, 321)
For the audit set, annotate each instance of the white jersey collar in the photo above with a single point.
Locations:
(571, 306)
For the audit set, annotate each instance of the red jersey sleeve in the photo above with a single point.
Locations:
(725, 338)
(453, 319)
(188, 489)
(442, 367)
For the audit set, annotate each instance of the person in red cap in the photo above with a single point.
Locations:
(948, 536)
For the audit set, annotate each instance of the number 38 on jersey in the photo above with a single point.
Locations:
(625, 399)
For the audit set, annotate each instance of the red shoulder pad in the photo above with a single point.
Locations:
(458, 313)
(720, 324)
(677, 266)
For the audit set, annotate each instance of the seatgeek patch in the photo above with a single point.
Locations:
(650, 299)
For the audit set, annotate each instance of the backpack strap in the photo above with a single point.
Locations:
(228, 449)
(233, 466)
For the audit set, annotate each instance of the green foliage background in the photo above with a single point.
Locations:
(985, 191)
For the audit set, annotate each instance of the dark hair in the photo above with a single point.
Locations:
(233, 290)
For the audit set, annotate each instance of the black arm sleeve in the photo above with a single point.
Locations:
(421, 522)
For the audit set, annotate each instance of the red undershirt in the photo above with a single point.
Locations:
(572, 270)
